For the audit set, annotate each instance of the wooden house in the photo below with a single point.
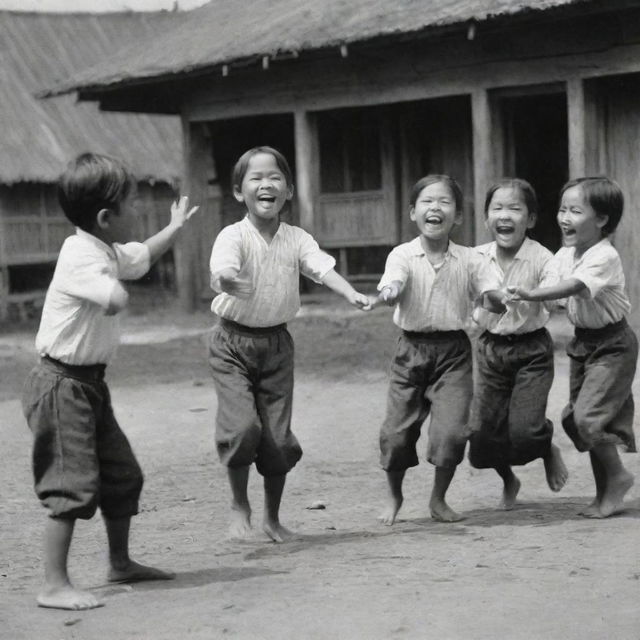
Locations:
(39, 137)
(366, 96)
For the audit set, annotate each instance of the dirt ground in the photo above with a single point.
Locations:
(539, 571)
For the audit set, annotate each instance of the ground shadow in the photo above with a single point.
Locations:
(192, 579)
(544, 513)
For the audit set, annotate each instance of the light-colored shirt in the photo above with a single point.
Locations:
(273, 268)
(74, 328)
(436, 299)
(531, 267)
(604, 300)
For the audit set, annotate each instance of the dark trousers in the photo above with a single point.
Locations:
(508, 423)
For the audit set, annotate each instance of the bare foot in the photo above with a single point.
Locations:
(240, 525)
(614, 492)
(510, 493)
(442, 512)
(135, 572)
(555, 469)
(67, 598)
(277, 532)
(592, 511)
(388, 516)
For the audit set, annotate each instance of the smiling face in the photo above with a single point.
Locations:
(264, 189)
(580, 225)
(508, 218)
(435, 212)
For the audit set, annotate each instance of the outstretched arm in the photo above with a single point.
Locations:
(162, 240)
(337, 283)
(563, 289)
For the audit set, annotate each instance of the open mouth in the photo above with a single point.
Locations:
(433, 220)
(568, 232)
(267, 199)
(505, 229)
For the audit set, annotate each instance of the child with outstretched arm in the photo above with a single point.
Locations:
(81, 458)
(514, 354)
(432, 282)
(604, 351)
(256, 265)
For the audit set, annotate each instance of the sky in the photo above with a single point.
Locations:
(97, 6)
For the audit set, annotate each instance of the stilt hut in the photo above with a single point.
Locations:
(40, 137)
(366, 96)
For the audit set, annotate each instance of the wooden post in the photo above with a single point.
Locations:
(307, 166)
(577, 119)
(484, 168)
(194, 245)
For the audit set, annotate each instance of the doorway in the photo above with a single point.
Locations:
(535, 148)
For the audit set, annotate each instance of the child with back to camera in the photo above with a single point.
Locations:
(514, 355)
(81, 458)
(604, 350)
(431, 281)
(255, 264)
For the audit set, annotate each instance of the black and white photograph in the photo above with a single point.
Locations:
(319, 320)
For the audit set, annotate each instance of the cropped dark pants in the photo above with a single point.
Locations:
(253, 375)
(81, 458)
(508, 424)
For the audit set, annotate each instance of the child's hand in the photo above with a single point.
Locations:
(389, 294)
(180, 211)
(236, 286)
(517, 293)
(372, 303)
(360, 300)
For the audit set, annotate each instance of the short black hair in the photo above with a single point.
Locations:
(604, 196)
(526, 191)
(92, 182)
(434, 178)
(241, 166)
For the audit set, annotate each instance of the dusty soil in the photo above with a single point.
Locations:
(539, 571)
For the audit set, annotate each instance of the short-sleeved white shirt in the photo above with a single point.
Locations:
(274, 269)
(436, 300)
(74, 328)
(604, 300)
(532, 267)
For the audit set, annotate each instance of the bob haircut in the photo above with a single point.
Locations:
(518, 184)
(604, 196)
(241, 166)
(434, 178)
(90, 183)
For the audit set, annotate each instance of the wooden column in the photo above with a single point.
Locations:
(577, 121)
(307, 166)
(484, 165)
(193, 248)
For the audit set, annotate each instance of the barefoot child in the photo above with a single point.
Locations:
(514, 354)
(604, 350)
(81, 458)
(256, 263)
(431, 281)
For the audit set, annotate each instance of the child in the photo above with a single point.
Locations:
(255, 264)
(514, 355)
(431, 281)
(81, 458)
(604, 350)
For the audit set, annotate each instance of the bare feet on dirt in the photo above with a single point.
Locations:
(67, 598)
(388, 516)
(510, 493)
(442, 512)
(612, 497)
(277, 532)
(240, 525)
(135, 572)
(555, 469)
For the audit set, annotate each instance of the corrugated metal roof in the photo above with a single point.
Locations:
(224, 31)
(40, 136)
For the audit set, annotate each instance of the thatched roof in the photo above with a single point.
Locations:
(40, 136)
(227, 31)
